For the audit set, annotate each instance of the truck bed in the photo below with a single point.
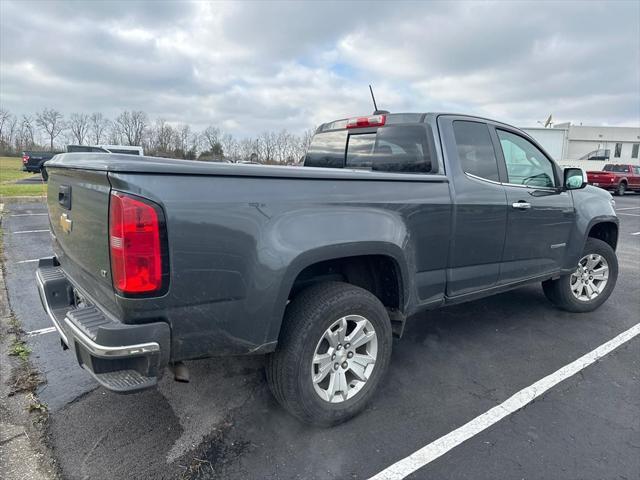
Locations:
(236, 234)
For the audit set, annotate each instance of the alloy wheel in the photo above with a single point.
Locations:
(344, 358)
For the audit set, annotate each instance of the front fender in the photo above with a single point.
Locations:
(592, 206)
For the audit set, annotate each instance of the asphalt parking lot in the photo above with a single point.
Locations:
(451, 366)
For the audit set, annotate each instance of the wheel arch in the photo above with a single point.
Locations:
(351, 254)
(605, 230)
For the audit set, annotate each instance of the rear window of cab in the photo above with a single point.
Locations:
(392, 148)
(616, 168)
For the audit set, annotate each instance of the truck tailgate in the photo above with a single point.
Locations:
(78, 203)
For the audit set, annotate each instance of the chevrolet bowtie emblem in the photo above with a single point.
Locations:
(65, 223)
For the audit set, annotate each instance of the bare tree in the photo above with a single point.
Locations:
(283, 142)
(51, 122)
(267, 146)
(229, 147)
(26, 132)
(211, 136)
(79, 126)
(247, 148)
(161, 137)
(305, 140)
(10, 132)
(7, 128)
(98, 125)
(4, 119)
(131, 126)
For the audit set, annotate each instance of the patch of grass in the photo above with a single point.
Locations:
(29, 190)
(10, 171)
(19, 349)
(36, 405)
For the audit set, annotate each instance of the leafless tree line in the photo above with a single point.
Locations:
(50, 130)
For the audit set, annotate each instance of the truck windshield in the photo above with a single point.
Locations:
(616, 168)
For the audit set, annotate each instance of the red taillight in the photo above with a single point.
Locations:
(25, 158)
(134, 239)
(372, 121)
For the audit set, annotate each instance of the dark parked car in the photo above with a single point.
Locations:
(616, 178)
(33, 161)
(159, 261)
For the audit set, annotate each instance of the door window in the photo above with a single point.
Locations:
(526, 164)
(475, 149)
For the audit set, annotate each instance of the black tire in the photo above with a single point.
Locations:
(559, 291)
(622, 188)
(307, 318)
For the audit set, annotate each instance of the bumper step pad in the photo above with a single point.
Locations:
(122, 357)
(89, 319)
(125, 380)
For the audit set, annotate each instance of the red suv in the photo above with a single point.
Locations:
(616, 178)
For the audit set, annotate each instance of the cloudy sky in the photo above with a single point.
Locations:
(253, 66)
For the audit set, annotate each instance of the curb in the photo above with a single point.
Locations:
(22, 456)
(24, 199)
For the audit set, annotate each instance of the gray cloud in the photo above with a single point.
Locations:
(252, 66)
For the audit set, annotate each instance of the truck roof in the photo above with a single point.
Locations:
(396, 118)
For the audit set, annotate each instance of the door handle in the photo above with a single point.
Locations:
(521, 205)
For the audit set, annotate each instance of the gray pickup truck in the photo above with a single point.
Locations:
(159, 261)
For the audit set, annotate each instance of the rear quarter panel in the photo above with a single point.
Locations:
(236, 245)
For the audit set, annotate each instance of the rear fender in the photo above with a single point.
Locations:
(316, 235)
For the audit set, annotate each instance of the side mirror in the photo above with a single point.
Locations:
(574, 178)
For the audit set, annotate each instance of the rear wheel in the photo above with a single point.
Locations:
(622, 188)
(334, 348)
(592, 282)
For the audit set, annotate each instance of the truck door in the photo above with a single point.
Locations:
(479, 205)
(634, 181)
(540, 215)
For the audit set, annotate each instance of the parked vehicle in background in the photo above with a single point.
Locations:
(159, 261)
(617, 178)
(33, 161)
(126, 149)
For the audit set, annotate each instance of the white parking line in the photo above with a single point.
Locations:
(630, 214)
(635, 233)
(627, 208)
(30, 231)
(41, 331)
(439, 447)
(27, 214)
(29, 261)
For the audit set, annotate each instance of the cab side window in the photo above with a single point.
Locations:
(526, 164)
(475, 149)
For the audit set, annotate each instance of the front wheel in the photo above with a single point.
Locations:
(592, 282)
(332, 353)
(622, 188)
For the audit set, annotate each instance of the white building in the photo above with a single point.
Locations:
(589, 147)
